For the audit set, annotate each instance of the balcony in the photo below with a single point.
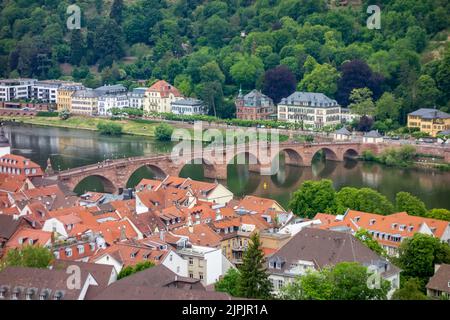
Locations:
(239, 248)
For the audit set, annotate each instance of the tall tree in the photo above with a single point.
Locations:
(77, 48)
(323, 78)
(117, 11)
(361, 102)
(279, 83)
(410, 290)
(388, 107)
(29, 256)
(254, 280)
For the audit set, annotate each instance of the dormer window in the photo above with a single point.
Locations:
(402, 227)
(58, 295)
(372, 222)
(69, 252)
(411, 228)
(394, 226)
(357, 219)
(80, 249)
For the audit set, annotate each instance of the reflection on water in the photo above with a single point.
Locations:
(69, 148)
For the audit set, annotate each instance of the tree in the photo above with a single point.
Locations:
(405, 201)
(229, 283)
(313, 197)
(247, 70)
(344, 281)
(388, 107)
(108, 40)
(410, 291)
(364, 199)
(254, 281)
(76, 47)
(64, 114)
(323, 78)
(427, 92)
(109, 128)
(357, 74)
(441, 214)
(117, 11)
(279, 83)
(129, 270)
(418, 255)
(361, 102)
(29, 256)
(211, 72)
(163, 132)
(216, 30)
(365, 237)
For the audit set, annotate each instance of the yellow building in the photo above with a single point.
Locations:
(64, 98)
(85, 102)
(430, 121)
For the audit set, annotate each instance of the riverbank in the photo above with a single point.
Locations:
(86, 123)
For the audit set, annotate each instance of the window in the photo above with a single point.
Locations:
(191, 275)
(80, 249)
(280, 284)
(200, 274)
(191, 261)
(69, 252)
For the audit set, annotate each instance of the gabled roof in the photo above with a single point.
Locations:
(343, 131)
(8, 225)
(316, 99)
(24, 236)
(441, 279)
(201, 235)
(373, 134)
(165, 89)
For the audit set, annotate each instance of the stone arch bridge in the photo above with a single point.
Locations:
(115, 174)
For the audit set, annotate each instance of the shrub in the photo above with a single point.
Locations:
(110, 128)
(163, 132)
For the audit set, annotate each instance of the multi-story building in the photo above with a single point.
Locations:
(64, 97)
(47, 90)
(315, 110)
(19, 166)
(430, 121)
(254, 106)
(85, 102)
(347, 116)
(12, 89)
(136, 98)
(160, 96)
(111, 97)
(188, 106)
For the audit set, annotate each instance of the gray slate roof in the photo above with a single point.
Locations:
(326, 248)
(427, 113)
(88, 93)
(316, 99)
(188, 102)
(343, 131)
(373, 134)
(111, 89)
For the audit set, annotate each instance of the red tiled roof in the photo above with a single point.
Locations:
(164, 88)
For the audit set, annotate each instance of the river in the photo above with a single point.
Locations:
(69, 148)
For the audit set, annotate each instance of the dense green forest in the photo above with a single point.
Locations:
(209, 49)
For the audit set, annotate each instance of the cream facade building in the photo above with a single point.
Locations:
(159, 97)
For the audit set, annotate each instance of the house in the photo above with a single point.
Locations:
(64, 97)
(204, 263)
(208, 192)
(8, 226)
(111, 97)
(254, 106)
(136, 98)
(159, 283)
(16, 89)
(188, 106)
(342, 134)
(314, 110)
(19, 283)
(390, 230)
(85, 102)
(19, 166)
(439, 284)
(430, 121)
(314, 249)
(163, 198)
(373, 137)
(159, 97)
(347, 116)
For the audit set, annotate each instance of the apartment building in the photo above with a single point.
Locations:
(111, 97)
(12, 89)
(64, 96)
(47, 90)
(85, 102)
(254, 106)
(159, 97)
(315, 110)
(430, 121)
(136, 98)
(188, 106)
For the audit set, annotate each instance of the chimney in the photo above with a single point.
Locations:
(123, 235)
(161, 235)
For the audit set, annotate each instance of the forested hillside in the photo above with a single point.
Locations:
(210, 49)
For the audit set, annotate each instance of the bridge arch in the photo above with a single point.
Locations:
(351, 153)
(145, 171)
(209, 169)
(246, 158)
(329, 154)
(292, 157)
(90, 183)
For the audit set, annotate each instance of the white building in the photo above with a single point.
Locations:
(11, 89)
(347, 116)
(373, 137)
(5, 146)
(110, 97)
(342, 134)
(315, 110)
(188, 106)
(47, 90)
(136, 98)
(204, 263)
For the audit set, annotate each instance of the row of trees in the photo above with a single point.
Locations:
(321, 197)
